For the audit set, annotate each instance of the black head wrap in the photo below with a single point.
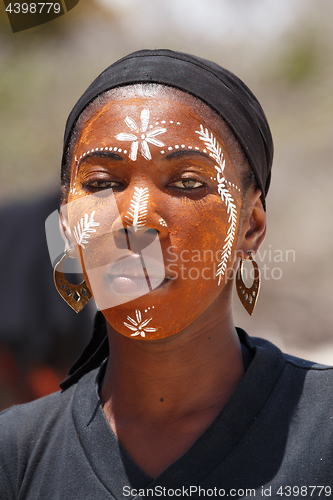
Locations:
(212, 84)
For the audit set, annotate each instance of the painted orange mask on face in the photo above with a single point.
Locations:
(155, 204)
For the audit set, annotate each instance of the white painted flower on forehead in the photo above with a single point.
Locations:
(143, 138)
(215, 151)
(138, 326)
(84, 227)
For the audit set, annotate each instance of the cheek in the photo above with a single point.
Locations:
(213, 227)
(197, 243)
(195, 252)
(204, 228)
(212, 244)
(91, 219)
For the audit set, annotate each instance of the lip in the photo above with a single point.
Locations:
(131, 266)
(126, 276)
(134, 287)
(130, 286)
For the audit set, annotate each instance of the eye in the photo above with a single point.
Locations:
(188, 184)
(100, 184)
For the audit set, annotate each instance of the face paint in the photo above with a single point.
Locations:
(118, 269)
(183, 197)
(139, 326)
(142, 136)
(84, 228)
(162, 222)
(136, 215)
(216, 153)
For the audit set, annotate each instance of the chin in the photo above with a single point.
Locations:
(147, 320)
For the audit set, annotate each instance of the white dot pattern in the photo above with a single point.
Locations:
(106, 148)
(170, 148)
(196, 148)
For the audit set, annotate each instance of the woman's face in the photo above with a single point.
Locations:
(153, 208)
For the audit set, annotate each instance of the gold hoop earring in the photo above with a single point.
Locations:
(76, 296)
(248, 296)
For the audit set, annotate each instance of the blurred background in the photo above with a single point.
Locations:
(282, 49)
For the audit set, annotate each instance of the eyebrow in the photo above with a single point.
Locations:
(101, 154)
(186, 152)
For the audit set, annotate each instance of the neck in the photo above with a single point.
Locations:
(195, 369)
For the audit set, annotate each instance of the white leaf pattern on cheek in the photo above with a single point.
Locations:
(141, 136)
(216, 153)
(84, 227)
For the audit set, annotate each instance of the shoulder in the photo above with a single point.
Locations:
(36, 436)
(309, 382)
(315, 383)
(281, 367)
(43, 407)
(24, 428)
(300, 365)
(22, 424)
(291, 362)
(256, 344)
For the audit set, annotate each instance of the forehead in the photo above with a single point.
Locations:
(133, 125)
(179, 113)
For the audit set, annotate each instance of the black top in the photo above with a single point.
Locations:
(274, 432)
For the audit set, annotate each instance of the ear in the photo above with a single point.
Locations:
(66, 233)
(253, 225)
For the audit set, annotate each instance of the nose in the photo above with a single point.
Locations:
(138, 224)
(126, 237)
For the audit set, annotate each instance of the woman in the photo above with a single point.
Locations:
(166, 167)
